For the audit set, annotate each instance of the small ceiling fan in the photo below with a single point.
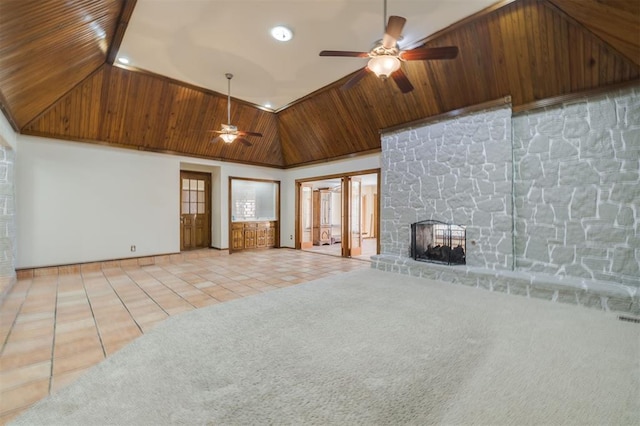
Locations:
(230, 133)
(386, 57)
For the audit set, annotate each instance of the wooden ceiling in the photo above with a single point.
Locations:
(56, 80)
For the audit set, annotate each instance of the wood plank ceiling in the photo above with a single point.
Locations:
(56, 80)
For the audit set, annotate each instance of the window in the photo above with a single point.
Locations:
(193, 196)
(253, 200)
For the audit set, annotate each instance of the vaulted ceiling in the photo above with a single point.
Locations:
(57, 80)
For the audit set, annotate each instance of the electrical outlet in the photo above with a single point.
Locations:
(291, 237)
(133, 248)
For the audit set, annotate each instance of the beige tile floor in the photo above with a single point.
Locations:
(58, 322)
(369, 248)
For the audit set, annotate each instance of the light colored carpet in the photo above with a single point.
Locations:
(366, 347)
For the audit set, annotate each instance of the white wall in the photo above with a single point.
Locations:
(7, 207)
(80, 202)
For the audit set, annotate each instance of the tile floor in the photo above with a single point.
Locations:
(58, 322)
(369, 248)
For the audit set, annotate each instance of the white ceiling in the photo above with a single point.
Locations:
(198, 41)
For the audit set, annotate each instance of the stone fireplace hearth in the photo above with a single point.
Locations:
(550, 199)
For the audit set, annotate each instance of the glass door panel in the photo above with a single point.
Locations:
(343, 214)
(306, 215)
(355, 216)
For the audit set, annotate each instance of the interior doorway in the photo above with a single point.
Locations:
(195, 210)
(338, 215)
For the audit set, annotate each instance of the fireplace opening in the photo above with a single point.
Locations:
(438, 242)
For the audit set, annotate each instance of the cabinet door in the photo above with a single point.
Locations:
(237, 236)
(249, 238)
(237, 239)
(261, 237)
(271, 237)
(325, 235)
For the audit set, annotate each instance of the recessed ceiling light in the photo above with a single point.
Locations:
(267, 105)
(281, 33)
(123, 60)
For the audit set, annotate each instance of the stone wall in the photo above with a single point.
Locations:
(456, 171)
(7, 221)
(570, 174)
(577, 189)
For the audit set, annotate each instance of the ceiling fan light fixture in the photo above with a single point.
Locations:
(228, 137)
(383, 66)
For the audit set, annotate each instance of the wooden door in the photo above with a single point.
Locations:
(352, 226)
(195, 210)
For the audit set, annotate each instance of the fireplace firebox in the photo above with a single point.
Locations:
(438, 242)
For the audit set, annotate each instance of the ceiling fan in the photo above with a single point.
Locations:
(386, 57)
(230, 133)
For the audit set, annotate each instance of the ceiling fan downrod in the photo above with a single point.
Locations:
(384, 16)
(229, 77)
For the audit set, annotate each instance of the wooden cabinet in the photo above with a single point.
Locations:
(321, 217)
(237, 236)
(261, 237)
(251, 235)
(250, 231)
(271, 237)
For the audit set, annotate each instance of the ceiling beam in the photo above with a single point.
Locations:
(121, 28)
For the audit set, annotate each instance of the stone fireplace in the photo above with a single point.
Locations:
(549, 199)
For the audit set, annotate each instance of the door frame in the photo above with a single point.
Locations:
(342, 176)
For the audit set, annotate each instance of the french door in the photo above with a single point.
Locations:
(195, 210)
(306, 215)
(352, 226)
(350, 220)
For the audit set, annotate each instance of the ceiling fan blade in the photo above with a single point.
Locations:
(393, 31)
(244, 141)
(241, 133)
(355, 79)
(402, 81)
(216, 131)
(216, 139)
(344, 53)
(448, 52)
